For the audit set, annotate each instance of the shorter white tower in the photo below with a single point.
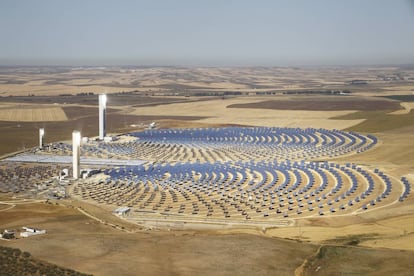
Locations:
(102, 116)
(41, 135)
(76, 139)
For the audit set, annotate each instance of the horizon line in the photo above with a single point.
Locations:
(166, 65)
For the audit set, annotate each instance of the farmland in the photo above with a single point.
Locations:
(32, 114)
(85, 236)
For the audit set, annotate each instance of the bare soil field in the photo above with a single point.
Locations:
(217, 112)
(408, 106)
(378, 121)
(79, 242)
(83, 244)
(331, 103)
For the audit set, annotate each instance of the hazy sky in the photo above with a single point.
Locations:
(206, 32)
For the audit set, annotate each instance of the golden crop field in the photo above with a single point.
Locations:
(32, 114)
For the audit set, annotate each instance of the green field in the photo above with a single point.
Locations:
(402, 98)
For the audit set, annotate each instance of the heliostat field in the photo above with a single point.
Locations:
(239, 173)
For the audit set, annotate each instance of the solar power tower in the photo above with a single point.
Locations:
(76, 139)
(102, 116)
(41, 135)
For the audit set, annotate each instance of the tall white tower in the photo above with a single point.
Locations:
(41, 135)
(102, 116)
(76, 139)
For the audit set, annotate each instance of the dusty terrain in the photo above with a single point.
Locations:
(77, 241)
(82, 243)
(102, 244)
(15, 262)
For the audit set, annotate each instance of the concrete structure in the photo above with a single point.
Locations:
(102, 116)
(28, 231)
(122, 211)
(76, 139)
(41, 136)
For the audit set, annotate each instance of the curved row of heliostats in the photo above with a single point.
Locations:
(231, 143)
(20, 178)
(246, 173)
(246, 189)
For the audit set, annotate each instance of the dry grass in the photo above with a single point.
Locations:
(81, 243)
(334, 260)
(395, 152)
(32, 114)
(218, 113)
(395, 233)
(329, 103)
(15, 262)
(408, 106)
